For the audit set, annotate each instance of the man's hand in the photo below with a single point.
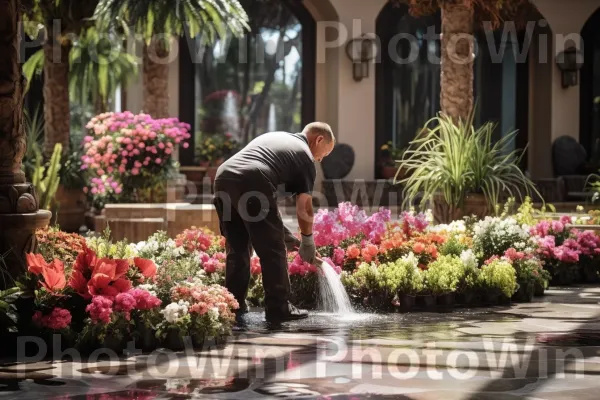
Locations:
(308, 251)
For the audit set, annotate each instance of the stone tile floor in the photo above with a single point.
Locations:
(494, 353)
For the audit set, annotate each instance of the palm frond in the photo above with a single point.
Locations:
(213, 18)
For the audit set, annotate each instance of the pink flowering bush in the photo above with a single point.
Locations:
(564, 250)
(58, 319)
(127, 157)
(349, 222)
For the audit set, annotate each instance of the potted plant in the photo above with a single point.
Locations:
(390, 155)
(443, 276)
(468, 278)
(497, 278)
(409, 281)
(461, 169)
(213, 150)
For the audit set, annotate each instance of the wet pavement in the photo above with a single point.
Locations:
(493, 353)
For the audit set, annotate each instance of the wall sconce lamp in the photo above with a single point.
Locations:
(570, 62)
(361, 51)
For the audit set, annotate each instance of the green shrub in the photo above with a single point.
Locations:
(499, 276)
(444, 275)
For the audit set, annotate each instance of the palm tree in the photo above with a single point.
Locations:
(96, 68)
(61, 19)
(459, 20)
(12, 137)
(157, 21)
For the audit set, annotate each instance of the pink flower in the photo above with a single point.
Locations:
(100, 309)
(158, 161)
(135, 171)
(59, 318)
(125, 302)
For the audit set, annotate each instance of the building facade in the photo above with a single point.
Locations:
(295, 68)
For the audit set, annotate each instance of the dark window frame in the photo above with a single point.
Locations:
(187, 105)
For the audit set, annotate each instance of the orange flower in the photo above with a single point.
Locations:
(353, 251)
(418, 247)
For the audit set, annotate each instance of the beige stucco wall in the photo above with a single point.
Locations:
(554, 110)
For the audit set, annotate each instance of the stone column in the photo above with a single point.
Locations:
(19, 212)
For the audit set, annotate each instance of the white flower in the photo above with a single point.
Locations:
(412, 259)
(213, 313)
(174, 311)
(468, 258)
(150, 288)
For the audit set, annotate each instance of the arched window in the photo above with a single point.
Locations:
(589, 134)
(251, 85)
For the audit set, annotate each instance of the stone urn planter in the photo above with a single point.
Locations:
(473, 204)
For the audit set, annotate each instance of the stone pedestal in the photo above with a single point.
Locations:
(19, 219)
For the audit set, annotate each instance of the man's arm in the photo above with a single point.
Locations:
(304, 213)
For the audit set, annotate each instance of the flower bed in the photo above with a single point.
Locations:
(95, 292)
(128, 157)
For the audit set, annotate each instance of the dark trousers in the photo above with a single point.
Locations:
(246, 222)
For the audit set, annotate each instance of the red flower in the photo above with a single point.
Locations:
(86, 261)
(107, 278)
(53, 273)
(36, 263)
(80, 284)
(146, 267)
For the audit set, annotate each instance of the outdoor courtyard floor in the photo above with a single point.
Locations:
(493, 353)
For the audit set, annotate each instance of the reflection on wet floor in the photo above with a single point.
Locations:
(376, 326)
(261, 360)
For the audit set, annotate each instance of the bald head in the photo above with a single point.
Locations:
(320, 139)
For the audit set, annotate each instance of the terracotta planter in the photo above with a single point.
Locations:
(70, 213)
(473, 204)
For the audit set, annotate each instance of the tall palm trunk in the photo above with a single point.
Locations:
(12, 137)
(19, 213)
(457, 60)
(156, 79)
(57, 113)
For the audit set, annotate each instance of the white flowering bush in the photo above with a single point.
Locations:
(493, 236)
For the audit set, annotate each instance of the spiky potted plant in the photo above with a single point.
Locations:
(461, 169)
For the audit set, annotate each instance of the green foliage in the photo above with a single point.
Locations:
(499, 276)
(96, 68)
(8, 310)
(453, 159)
(34, 128)
(444, 275)
(211, 18)
(104, 247)
(216, 147)
(526, 213)
(453, 247)
(46, 178)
